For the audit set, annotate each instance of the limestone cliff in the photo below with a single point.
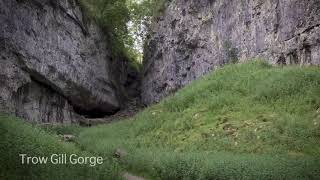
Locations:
(193, 37)
(54, 64)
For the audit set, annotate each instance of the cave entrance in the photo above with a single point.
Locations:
(92, 114)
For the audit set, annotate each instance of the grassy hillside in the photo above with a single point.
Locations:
(244, 121)
(18, 137)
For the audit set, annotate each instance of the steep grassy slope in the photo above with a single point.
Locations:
(18, 137)
(243, 121)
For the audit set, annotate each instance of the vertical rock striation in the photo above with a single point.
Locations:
(193, 37)
(54, 65)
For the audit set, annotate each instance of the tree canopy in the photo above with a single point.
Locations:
(126, 22)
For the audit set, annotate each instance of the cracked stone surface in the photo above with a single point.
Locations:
(194, 37)
(54, 63)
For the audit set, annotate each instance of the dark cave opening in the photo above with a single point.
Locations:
(93, 113)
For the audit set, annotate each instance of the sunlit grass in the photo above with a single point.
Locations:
(243, 121)
(246, 111)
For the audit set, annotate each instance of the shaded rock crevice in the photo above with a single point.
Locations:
(38, 103)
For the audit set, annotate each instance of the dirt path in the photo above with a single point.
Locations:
(128, 176)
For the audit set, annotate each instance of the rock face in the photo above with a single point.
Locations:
(193, 37)
(54, 64)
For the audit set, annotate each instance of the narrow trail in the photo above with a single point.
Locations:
(128, 176)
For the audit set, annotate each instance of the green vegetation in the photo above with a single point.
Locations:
(18, 137)
(112, 16)
(126, 22)
(59, 129)
(231, 52)
(243, 121)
